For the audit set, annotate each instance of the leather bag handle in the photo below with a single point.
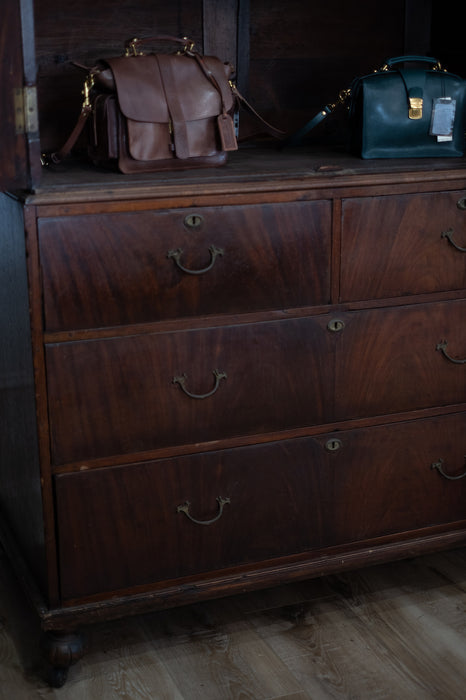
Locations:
(412, 59)
(132, 45)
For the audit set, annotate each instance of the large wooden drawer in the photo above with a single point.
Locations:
(130, 394)
(123, 395)
(138, 524)
(398, 245)
(123, 268)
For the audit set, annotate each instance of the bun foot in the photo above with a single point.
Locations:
(56, 677)
(62, 649)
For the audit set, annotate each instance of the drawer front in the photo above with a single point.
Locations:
(140, 524)
(111, 269)
(137, 393)
(125, 526)
(131, 394)
(388, 479)
(397, 245)
(401, 359)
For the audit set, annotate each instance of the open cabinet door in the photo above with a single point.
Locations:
(19, 138)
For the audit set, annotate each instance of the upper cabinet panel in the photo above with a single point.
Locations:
(18, 107)
(291, 59)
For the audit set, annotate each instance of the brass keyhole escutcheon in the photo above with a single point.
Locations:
(193, 221)
(333, 445)
(461, 203)
(335, 325)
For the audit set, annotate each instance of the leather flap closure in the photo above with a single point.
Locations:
(146, 92)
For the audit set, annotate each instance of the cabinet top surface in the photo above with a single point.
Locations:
(248, 171)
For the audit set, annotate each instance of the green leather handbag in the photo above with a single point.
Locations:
(402, 111)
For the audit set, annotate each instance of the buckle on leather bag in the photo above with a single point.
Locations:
(415, 108)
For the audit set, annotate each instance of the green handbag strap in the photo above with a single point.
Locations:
(296, 138)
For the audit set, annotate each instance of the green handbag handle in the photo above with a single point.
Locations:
(403, 59)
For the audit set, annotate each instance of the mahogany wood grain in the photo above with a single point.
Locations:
(116, 269)
(389, 361)
(120, 527)
(133, 509)
(118, 395)
(406, 252)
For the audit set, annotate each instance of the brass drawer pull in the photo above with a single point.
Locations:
(449, 235)
(176, 256)
(181, 380)
(439, 466)
(184, 508)
(443, 348)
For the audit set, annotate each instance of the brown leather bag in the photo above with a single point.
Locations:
(157, 111)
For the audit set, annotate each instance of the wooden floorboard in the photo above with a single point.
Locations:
(391, 632)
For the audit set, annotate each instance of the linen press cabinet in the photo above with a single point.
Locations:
(218, 380)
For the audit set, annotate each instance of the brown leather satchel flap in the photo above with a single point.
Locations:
(158, 88)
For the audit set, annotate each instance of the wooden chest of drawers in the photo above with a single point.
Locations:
(240, 390)
(221, 379)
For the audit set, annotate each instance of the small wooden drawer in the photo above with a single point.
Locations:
(135, 267)
(394, 479)
(136, 525)
(400, 359)
(398, 245)
(130, 394)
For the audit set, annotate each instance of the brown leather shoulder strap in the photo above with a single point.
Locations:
(268, 127)
(58, 156)
(180, 134)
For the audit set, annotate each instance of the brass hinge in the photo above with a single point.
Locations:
(26, 113)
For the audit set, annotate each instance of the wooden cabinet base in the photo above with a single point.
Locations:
(64, 627)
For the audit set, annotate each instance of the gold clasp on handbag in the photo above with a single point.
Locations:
(415, 108)
(189, 46)
(131, 48)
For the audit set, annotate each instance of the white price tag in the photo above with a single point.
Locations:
(443, 118)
